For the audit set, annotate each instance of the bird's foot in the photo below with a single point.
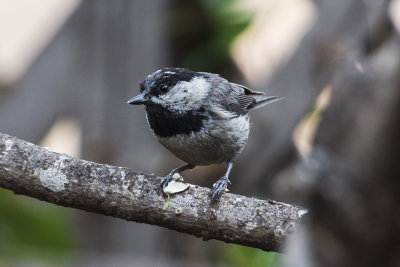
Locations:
(219, 187)
(172, 176)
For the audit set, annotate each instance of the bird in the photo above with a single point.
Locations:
(200, 117)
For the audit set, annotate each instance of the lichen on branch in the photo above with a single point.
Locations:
(38, 172)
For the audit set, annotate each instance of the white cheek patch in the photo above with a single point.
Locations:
(156, 100)
(186, 95)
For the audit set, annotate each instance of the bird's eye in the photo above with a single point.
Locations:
(164, 88)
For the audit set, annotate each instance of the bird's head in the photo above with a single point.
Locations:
(176, 89)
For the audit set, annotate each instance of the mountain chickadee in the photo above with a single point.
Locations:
(200, 117)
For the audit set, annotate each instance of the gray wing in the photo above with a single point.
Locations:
(237, 99)
(248, 99)
(244, 98)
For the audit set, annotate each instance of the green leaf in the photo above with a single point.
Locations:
(241, 256)
(31, 229)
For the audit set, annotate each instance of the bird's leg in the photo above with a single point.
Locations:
(168, 178)
(222, 183)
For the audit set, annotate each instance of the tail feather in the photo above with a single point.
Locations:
(264, 100)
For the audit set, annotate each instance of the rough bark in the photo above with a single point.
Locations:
(34, 171)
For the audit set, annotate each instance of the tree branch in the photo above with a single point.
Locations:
(34, 171)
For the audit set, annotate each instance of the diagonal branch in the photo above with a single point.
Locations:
(34, 171)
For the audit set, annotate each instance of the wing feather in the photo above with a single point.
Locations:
(237, 99)
(248, 99)
(247, 90)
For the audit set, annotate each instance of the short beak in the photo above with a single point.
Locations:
(139, 99)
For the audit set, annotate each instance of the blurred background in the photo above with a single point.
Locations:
(68, 67)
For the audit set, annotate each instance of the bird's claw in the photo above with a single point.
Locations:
(172, 176)
(166, 180)
(219, 187)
